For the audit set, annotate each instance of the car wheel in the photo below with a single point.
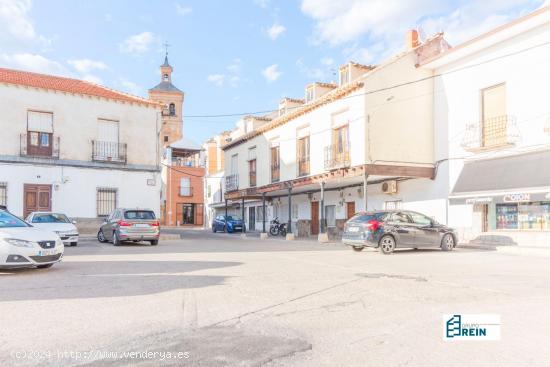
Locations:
(116, 240)
(101, 236)
(357, 248)
(387, 244)
(214, 230)
(45, 266)
(74, 243)
(154, 242)
(448, 242)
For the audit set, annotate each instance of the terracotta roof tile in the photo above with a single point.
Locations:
(69, 85)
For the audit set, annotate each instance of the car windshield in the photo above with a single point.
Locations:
(8, 220)
(50, 218)
(365, 217)
(139, 214)
(232, 217)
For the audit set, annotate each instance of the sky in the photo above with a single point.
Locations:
(229, 57)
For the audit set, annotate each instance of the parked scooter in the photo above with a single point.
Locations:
(277, 228)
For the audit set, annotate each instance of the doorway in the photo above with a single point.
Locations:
(314, 217)
(252, 218)
(350, 209)
(37, 198)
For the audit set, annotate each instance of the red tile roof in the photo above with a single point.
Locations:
(25, 78)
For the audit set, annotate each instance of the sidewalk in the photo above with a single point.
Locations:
(523, 249)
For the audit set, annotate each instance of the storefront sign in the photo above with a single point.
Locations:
(479, 200)
(516, 198)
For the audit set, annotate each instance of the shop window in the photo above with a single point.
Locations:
(330, 215)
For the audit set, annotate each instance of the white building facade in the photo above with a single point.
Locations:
(75, 147)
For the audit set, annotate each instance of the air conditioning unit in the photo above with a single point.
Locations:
(389, 187)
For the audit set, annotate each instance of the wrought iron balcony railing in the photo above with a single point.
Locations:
(38, 144)
(107, 151)
(275, 173)
(336, 156)
(232, 182)
(491, 133)
(303, 166)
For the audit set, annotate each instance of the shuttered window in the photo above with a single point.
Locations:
(40, 121)
(107, 130)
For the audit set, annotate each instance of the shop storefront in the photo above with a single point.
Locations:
(509, 193)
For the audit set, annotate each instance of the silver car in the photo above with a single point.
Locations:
(126, 224)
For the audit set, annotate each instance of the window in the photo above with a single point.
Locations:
(234, 164)
(418, 218)
(303, 156)
(172, 109)
(252, 173)
(4, 194)
(310, 94)
(259, 213)
(275, 172)
(165, 77)
(330, 215)
(493, 116)
(106, 201)
(185, 186)
(393, 205)
(344, 75)
(39, 133)
(400, 218)
(340, 139)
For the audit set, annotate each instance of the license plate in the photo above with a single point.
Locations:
(237, 227)
(46, 252)
(353, 229)
(141, 225)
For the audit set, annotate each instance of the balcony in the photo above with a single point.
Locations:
(490, 134)
(232, 182)
(336, 156)
(303, 166)
(185, 191)
(275, 173)
(38, 144)
(187, 162)
(107, 151)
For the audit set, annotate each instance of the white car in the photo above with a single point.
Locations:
(55, 222)
(22, 245)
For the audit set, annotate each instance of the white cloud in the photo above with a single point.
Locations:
(262, 3)
(275, 31)
(138, 43)
(33, 62)
(232, 77)
(87, 65)
(131, 87)
(182, 9)
(383, 23)
(271, 73)
(327, 61)
(217, 79)
(92, 79)
(314, 73)
(16, 25)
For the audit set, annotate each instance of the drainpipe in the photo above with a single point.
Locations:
(242, 210)
(263, 211)
(365, 178)
(225, 215)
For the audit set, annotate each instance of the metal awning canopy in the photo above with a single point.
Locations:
(528, 170)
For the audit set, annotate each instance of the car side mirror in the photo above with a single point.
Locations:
(73, 221)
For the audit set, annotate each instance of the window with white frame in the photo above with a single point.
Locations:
(393, 205)
(234, 164)
(4, 193)
(330, 215)
(310, 94)
(344, 75)
(185, 186)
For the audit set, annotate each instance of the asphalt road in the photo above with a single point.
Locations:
(221, 300)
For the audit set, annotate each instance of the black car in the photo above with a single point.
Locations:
(388, 230)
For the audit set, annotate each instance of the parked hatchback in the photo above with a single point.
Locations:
(55, 222)
(229, 224)
(388, 230)
(130, 225)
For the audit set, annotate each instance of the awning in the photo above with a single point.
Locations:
(517, 172)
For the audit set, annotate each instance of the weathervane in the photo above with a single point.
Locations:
(166, 45)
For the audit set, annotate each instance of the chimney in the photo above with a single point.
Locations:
(411, 39)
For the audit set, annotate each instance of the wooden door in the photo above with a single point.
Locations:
(199, 214)
(314, 217)
(350, 209)
(37, 198)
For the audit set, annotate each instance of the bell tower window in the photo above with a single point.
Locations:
(172, 109)
(165, 77)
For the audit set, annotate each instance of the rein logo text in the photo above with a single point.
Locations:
(471, 327)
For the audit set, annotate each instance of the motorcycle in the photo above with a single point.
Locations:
(277, 228)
